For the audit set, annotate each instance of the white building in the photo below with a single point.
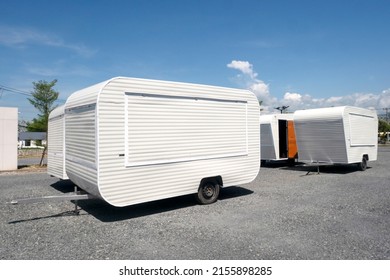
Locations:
(32, 139)
(8, 138)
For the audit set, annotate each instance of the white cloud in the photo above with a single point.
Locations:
(260, 88)
(364, 100)
(297, 101)
(243, 66)
(293, 97)
(334, 100)
(21, 37)
(384, 101)
(251, 82)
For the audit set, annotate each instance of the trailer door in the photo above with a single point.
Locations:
(292, 141)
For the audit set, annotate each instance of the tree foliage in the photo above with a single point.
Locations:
(43, 98)
(383, 126)
(37, 125)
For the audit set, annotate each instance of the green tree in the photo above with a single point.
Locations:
(36, 125)
(43, 98)
(383, 126)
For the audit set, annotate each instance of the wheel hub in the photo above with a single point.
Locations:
(208, 191)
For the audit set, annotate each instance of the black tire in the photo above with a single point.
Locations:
(208, 192)
(291, 162)
(363, 164)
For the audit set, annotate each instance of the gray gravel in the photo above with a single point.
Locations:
(339, 214)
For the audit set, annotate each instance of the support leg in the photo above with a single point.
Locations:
(76, 206)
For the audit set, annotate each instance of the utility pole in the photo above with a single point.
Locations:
(282, 108)
(387, 116)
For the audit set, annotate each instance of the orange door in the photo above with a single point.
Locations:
(292, 142)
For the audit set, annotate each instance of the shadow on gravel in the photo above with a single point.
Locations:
(63, 214)
(312, 169)
(275, 163)
(324, 169)
(108, 213)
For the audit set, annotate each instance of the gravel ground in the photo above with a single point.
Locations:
(339, 214)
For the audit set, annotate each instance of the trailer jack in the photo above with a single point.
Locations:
(317, 165)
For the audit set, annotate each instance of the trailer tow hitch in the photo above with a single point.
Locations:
(71, 196)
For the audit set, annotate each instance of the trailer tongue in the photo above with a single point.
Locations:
(70, 196)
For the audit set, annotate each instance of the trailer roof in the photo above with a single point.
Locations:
(57, 112)
(331, 112)
(267, 118)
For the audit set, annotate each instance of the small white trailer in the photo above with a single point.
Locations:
(56, 143)
(337, 135)
(277, 137)
(129, 141)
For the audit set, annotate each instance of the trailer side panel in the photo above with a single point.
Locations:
(56, 143)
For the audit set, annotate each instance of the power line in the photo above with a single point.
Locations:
(5, 88)
(25, 93)
(386, 110)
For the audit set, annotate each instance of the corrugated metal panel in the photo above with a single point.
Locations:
(320, 135)
(85, 96)
(270, 135)
(268, 150)
(80, 135)
(359, 123)
(121, 185)
(56, 144)
(324, 135)
(162, 129)
(362, 133)
(80, 138)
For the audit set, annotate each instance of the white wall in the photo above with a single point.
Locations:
(8, 138)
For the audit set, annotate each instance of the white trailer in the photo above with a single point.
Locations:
(130, 140)
(56, 143)
(277, 137)
(337, 135)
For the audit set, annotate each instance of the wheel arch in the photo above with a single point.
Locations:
(215, 179)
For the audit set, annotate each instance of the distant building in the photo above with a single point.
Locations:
(8, 138)
(32, 139)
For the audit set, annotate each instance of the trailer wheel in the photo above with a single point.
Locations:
(208, 192)
(363, 164)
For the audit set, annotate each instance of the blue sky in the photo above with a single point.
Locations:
(303, 54)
